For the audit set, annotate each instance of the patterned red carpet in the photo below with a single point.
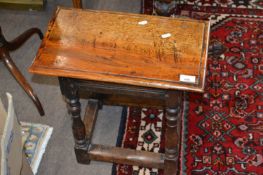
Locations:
(223, 128)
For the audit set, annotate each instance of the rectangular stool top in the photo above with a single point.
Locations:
(134, 49)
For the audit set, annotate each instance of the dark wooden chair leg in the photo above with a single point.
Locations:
(5, 47)
(21, 39)
(21, 80)
(172, 134)
(70, 92)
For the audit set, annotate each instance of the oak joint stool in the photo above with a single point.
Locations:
(119, 59)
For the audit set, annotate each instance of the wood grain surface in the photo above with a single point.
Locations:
(114, 47)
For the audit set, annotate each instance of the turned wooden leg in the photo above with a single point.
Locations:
(165, 7)
(172, 134)
(77, 3)
(70, 91)
(5, 47)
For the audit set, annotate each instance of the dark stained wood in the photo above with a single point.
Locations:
(5, 48)
(21, 39)
(120, 94)
(121, 89)
(86, 151)
(173, 131)
(77, 3)
(127, 156)
(113, 47)
(124, 100)
(70, 91)
(90, 117)
(128, 100)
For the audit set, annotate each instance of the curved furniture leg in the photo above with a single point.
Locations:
(5, 47)
(21, 80)
(17, 42)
